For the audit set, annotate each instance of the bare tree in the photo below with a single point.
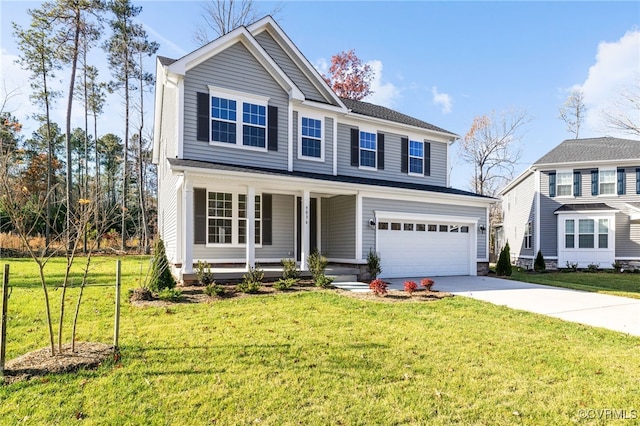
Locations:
(624, 114)
(573, 111)
(222, 16)
(492, 147)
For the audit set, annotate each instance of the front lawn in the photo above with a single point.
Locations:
(627, 284)
(320, 358)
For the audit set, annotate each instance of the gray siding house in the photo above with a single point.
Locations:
(578, 204)
(259, 160)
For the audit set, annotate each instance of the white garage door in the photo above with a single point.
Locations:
(423, 249)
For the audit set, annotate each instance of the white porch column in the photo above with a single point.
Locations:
(187, 205)
(251, 227)
(306, 213)
(358, 220)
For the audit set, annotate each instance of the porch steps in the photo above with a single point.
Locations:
(353, 286)
(342, 274)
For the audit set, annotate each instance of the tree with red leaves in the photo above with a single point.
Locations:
(349, 77)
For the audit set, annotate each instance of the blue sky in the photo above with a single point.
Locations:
(442, 62)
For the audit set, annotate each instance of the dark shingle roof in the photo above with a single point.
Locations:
(166, 61)
(583, 207)
(384, 113)
(594, 149)
(328, 178)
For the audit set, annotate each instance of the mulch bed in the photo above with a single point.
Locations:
(88, 355)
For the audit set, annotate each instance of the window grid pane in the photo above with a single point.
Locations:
(311, 147)
(254, 114)
(607, 182)
(367, 158)
(223, 109)
(253, 136)
(367, 149)
(564, 183)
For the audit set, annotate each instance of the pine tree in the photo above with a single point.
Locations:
(539, 265)
(161, 277)
(503, 267)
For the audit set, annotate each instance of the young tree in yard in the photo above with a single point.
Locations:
(491, 146)
(349, 77)
(222, 16)
(624, 114)
(573, 111)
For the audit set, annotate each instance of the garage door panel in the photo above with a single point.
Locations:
(405, 253)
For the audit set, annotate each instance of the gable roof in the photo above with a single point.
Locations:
(591, 150)
(377, 111)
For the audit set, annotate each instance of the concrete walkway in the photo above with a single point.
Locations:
(599, 310)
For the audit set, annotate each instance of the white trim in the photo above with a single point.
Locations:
(521, 177)
(290, 138)
(627, 258)
(306, 226)
(323, 148)
(487, 237)
(468, 220)
(386, 126)
(335, 146)
(622, 162)
(188, 228)
(180, 115)
(180, 222)
(295, 225)
(319, 224)
(250, 233)
(353, 261)
(358, 253)
(536, 198)
(237, 94)
(525, 256)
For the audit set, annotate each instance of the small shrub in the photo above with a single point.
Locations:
(617, 266)
(592, 267)
(427, 283)
(161, 277)
(503, 267)
(410, 287)
(285, 283)
(317, 264)
(290, 269)
(539, 265)
(203, 273)
(322, 281)
(214, 289)
(251, 281)
(373, 264)
(170, 295)
(378, 287)
(572, 266)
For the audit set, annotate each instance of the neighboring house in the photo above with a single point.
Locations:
(580, 203)
(259, 160)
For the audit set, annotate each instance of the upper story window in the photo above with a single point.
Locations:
(311, 138)
(416, 157)
(254, 125)
(564, 184)
(236, 119)
(527, 235)
(367, 149)
(607, 182)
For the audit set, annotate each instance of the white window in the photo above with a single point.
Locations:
(564, 184)
(416, 157)
(227, 218)
(310, 138)
(368, 149)
(607, 182)
(238, 119)
(527, 235)
(585, 233)
(569, 233)
(603, 233)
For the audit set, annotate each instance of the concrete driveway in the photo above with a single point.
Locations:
(599, 310)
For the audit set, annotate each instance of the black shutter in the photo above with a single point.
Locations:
(577, 184)
(199, 216)
(204, 118)
(594, 182)
(272, 130)
(621, 185)
(427, 159)
(355, 147)
(638, 181)
(552, 184)
(404, 155)
(267, 222)
(380, 151)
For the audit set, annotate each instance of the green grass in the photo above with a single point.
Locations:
(318, 358)
(627, 284)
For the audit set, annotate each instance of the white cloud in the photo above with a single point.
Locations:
(442, 99)
(384, 93)
(616, 67)
(322, 66)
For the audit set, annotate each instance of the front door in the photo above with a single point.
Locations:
(313, 226)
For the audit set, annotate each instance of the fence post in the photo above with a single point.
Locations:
(3, 323)
(116, 328)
